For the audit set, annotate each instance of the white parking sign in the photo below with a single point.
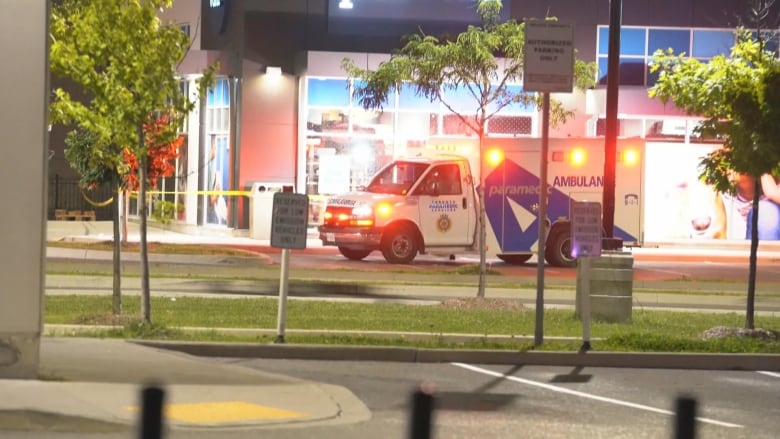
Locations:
(585, 228)
(549, 56)
(289, 220)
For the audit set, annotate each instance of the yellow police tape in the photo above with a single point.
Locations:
(312, 197)
(97, 203)
(229, 193)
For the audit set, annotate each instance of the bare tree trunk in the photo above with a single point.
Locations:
(482, 219)
(116, 303)
(751, 292)
(146, 312)
(123, 215)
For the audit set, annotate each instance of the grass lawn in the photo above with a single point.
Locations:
(650, 331)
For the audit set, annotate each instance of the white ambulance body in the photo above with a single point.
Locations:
(429, 204)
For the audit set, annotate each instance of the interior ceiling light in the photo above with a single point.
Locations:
(346, 4)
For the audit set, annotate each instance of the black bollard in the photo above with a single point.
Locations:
(422, 413)
(151, 413)
(685, 422)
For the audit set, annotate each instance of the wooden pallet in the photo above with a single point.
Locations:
(75, 215)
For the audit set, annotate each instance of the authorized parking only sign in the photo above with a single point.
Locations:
(289, 220)
(549, 56)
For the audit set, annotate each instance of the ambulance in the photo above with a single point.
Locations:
(428, 203)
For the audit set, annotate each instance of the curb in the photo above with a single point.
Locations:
(705, 361)
(65, 330)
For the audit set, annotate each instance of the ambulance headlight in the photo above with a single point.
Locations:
(362, 216)
(362, 211)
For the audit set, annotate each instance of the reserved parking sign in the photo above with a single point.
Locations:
(289, 220)
(585, 228)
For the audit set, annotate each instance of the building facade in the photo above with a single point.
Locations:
(281, 113)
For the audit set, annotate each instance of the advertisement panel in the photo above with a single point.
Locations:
(678, 206)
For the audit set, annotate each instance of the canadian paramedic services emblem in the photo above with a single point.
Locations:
(444, 223)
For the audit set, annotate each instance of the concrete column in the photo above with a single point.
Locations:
(24, 144)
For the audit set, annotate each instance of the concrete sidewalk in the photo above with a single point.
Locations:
(84, 381)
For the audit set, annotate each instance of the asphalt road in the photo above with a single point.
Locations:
(488, 401)
(542, 402)
(648, 265)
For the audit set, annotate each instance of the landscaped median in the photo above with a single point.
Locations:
(485, 330)
(453, 324)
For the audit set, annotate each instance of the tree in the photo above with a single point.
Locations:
(160, 157)
(124, 58)
(160, 163)
(87, 155)
(739, 96)
(484, 61)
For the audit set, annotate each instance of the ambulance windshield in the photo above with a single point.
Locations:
(397, 178)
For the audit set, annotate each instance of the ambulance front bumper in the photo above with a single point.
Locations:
(351, 237)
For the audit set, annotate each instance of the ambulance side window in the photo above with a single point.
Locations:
(442, 180)
(449, 180)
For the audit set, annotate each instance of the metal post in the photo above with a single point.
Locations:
(685, 420)
(586, 268)
(422, 415)
(151, 413)
(542, 221)
(610, 147)
(283, 286)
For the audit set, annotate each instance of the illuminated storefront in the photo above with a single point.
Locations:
(344, 145)
(308, 131)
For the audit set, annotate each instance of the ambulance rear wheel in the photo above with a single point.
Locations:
(399, 245)
(558, 249)
(354, 255)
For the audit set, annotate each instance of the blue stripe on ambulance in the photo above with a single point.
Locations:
(509, 181)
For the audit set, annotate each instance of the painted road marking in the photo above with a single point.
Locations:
(222, 412)
(771, 374)
(588, 395)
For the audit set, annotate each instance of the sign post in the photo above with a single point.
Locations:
(548, 67)
(586, 244)
(289, 221)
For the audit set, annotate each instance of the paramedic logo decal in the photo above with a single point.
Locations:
(444, 223)
(512, 204)
(443, 206)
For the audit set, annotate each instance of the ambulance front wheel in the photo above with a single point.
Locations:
(354, 255)
(399, 245)
(558, 249)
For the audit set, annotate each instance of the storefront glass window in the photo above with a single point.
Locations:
(346, 144)
(632, 40)
(709, 43)
(409, 100)
(330, 120)
(324, 92)
(679, 40)
(513, 107)
(217, 153)
(460, 99)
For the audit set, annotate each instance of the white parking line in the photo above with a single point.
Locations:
(771, 374)
(588, 395)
